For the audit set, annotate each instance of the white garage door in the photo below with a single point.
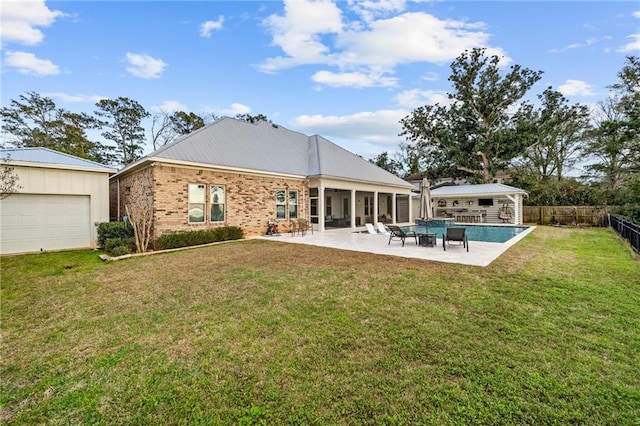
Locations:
(44, 222)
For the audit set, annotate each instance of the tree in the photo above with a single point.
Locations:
(609, 145)
(36, 121)
(477, 133)
(384, 162)
(252, 118)
(31, 121)
(558, 132)
(71, 136)
(123, 117)
(615, 143)
(183, 123)
(168, 126)
(161, 130)
(8, 179)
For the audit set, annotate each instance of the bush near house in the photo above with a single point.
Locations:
(120, 246)
(194, 238)
(116, 238)
(109, 230)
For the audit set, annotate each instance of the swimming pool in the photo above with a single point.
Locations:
(486, 233)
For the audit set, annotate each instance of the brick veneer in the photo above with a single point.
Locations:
(250, 198)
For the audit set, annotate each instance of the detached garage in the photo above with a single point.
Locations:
(60, 202)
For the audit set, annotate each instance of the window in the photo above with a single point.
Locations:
(217, 203)
(293, 204)
(368, 206)
(485, 201)
(327, 207)
(196, 202)
(313, 209)
(281, 203)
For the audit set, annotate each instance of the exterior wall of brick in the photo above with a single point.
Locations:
(134, 190)
(250, 198)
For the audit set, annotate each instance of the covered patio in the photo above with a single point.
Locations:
(342, 204)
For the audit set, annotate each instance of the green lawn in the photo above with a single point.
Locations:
(263, 332)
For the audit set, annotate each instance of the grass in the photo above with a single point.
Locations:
(261, 332)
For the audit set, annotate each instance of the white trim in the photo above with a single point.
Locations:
(192, 165)
(18, 163)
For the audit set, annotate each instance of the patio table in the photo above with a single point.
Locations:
(428, 239)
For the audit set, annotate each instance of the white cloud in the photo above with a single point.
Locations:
(209, 26)
(576, 88)
(414, 98)
(379, 128)
(20, 21)
(369, 9)
(74, 99)
(28, 63)
(353, 79)
(587, 42)
(231, 111)
(144, 66)
(298, 33)
(168, 106)
(431, 76)
(633, 46)
(636, 14)
(411, 37)
(363, 51)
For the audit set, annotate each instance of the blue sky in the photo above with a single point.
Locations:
(348, 70)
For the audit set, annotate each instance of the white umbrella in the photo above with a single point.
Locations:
(425, 201)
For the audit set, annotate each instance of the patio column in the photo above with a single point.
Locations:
(375, 207)
(321, 208)
(393, 208)
(353, 209)
(410, 197)
(516, 209)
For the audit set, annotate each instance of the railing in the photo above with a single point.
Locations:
(626, 229)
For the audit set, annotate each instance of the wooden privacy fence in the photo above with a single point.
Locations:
(566, 215)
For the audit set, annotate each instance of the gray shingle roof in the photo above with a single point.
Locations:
(482, 189)
(267, 147)
(47, 156)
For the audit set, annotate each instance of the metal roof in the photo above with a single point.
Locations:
(267, 147)
(49, 157)
(482, 189)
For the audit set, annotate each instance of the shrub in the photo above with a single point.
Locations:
(128, 243)
(107, 230)
(120, 251)
(194, 238)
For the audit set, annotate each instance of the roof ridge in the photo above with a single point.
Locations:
(53, 151)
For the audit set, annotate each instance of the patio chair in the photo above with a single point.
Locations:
(458, 235)
(304, 225)
(382, 229)
(395, 232)
(370, 228)
(294, 227)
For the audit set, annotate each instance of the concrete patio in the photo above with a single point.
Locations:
(480, 253)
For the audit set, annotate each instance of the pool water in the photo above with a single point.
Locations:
(489, 234)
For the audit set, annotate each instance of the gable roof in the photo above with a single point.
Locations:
(45, 157)
(266, 147)
(474, 190)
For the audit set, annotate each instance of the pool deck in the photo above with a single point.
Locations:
(480, 253)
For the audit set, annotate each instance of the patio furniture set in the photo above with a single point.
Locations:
(457, 235)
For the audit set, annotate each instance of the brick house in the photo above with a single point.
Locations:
(235, 173)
